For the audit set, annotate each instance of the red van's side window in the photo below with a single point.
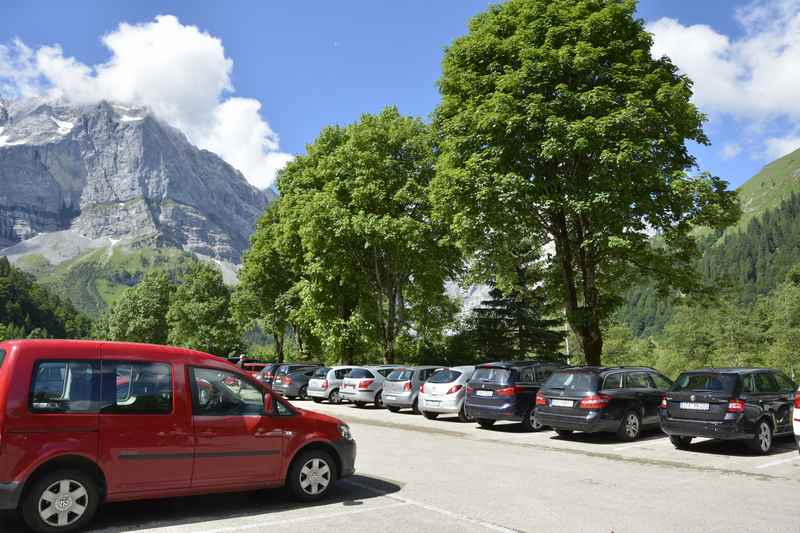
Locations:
(137, 388)
(220, 393)
(66, 386)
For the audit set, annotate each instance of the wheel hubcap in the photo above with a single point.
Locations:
(63, 503)
(764, 437)
(315, 476)
(632, 426)
(335, 397)
(534, 424)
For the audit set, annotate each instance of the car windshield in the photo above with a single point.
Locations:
(573, 381)
(321, 372)
(492, 373)
(401, 374)
(706, 382)
(445, 376)
(358, 373)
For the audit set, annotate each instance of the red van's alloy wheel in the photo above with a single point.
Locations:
(61, 501)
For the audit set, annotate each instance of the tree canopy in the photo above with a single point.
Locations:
(558, 129)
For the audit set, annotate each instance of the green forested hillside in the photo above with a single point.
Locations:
(766, 190)
(28, 309)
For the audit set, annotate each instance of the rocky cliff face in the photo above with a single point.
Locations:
(115, 171)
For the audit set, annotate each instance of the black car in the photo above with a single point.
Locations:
(267, 374)
(621, 400)
(506, 391)
(748, 404)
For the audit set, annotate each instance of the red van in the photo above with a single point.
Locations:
(85, 422)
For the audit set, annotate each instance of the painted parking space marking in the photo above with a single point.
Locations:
(648, 442)
(779, 462)
(456, 516)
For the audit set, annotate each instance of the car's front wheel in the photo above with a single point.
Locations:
(311, 475)
(762, 441)
(680, 442)
(61, 502)
(302, 394)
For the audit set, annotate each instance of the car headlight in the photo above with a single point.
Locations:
(344, 431)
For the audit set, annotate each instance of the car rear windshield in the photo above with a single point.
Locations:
(358, 373)
(492, 374)
(573, 381)
(706, 382)
(444, 376)
(401, 374)
(321, 372)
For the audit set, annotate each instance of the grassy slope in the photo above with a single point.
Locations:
(95, 280)
(774, 183)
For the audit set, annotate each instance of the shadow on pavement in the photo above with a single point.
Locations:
(611, 438)
(780, 446)
(171, 512)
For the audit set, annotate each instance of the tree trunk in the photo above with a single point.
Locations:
(279, 338)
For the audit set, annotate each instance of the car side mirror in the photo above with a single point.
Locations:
(268, 404)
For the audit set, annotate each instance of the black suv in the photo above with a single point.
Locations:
(506, 391)
(621, 400)
(749, 404)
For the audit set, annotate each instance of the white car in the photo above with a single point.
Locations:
(363, 385)
(796, 418)
(445, 392)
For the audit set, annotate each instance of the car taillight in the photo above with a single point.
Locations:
(454, 389)
(664, 402)
(422, 388)
(540, 398)
(407, 386)
(287, 380)
(506, 391)
(325, 384)
(268, 375)
(470, 390)
(797, 401)
(365, 383)
(595, 401)
(736, 406)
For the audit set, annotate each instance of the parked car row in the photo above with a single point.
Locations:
(753, 405)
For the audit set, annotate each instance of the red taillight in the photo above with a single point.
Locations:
(454, 389)
(664, 402)
(422, 388)
(595, 401)
(407, 386)
(470, 390)
(506, 391)
(268, 375)
(325, 384)
(797, 401)
(287, 380)
(736, 406)
(540, 398)
(365, 383)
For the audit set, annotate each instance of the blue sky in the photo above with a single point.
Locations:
(311, 64)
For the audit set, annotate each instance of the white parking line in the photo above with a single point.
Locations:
(445, 512)
(283, 521)
(779, 462)
(640, 444)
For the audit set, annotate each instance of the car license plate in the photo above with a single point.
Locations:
(391, 397)
(562, 403)
(694, 406)
(347, 386)
(483, 392)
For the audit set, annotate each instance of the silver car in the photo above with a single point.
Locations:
(445, 392)
(401, 388)
(364, 384)
(326, 382)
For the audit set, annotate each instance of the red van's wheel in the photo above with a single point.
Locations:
(61, 501)
(311, 475)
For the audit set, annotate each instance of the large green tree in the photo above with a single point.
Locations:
(140, 315)
(557, 128)
(374, 261)
(199, 314)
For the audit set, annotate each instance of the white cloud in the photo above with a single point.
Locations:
(178, 71)
(780, 146)
(753, 78)
(731, 150)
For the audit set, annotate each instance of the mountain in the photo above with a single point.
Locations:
(117, 172)
(92, 196)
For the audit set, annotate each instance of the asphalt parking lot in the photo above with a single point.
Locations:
(442, 475)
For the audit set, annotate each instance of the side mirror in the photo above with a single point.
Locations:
(268, 404)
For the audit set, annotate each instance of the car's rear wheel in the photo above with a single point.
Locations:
(311, 475)
(564, 433)
(335, 397)
(360, 404)
(429, 415)
(762, 441)
(680, 442)
(529, 421)
(302, 394)
(631, 426)
(61, 501)
(485, 423)
(393, 409)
